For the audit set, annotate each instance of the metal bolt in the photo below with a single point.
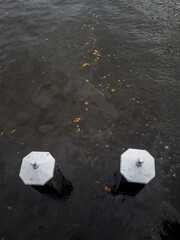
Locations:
(34, 164)
(139, 162)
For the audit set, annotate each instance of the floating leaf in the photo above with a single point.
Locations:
(2, 133)
(107, 146)
(87, 80)
(13, 131)
(108, 189)
(9, 207)
(166, 147)
(85, 64)
(76, 120)
(113, 90)
(86, 103)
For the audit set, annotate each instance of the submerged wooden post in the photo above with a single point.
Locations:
(38, 170)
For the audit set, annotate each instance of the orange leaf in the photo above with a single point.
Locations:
(108, 189)
(113, 90)
(76, 120)
(166, 147)
(22, 143)
(86, 103)
(85, 64)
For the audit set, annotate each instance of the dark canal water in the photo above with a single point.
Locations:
(113, 67)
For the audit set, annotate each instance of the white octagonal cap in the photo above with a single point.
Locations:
(37, 168)
(137, 166)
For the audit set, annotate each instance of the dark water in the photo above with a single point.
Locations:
(43, 88)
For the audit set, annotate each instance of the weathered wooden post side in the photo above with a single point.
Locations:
(38, 169)
(135, 170)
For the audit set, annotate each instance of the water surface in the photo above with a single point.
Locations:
(127, 96)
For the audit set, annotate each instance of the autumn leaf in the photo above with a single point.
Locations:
(108, 189)
(86, 43)
(13, 131)
(166, 147)
(85, 64)
(100, 85)
(113, 90)
(9, 207)
(76, 120)
(22, 143)
(2, 133)
(86, 103)
(87, 80)
(107, 146)
(78, 130)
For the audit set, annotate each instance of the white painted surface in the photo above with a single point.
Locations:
(137, 166)
(40, 175)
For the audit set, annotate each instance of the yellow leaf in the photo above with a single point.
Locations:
(87, 80)
(76, 120)
(86, 103)
(85, 64)
(166, 147)
(2, 133)
(13, 131)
